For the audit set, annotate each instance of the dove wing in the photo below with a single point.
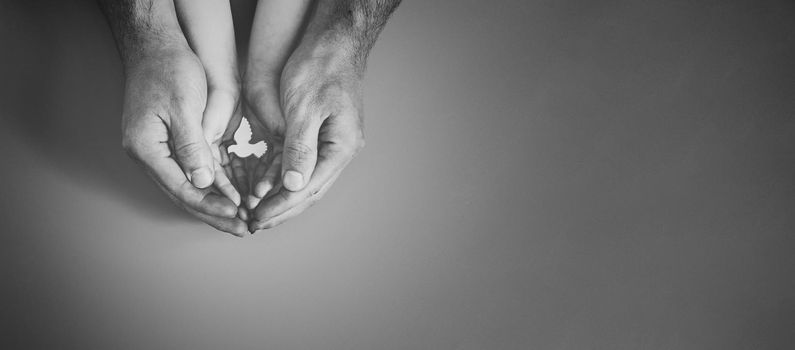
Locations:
(239, 151)
(243, 133)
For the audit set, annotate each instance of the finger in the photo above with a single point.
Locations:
(223, 184)
(333, 159)
(265, 163)
(235, 226)
(191, 149)
(267, 181)
(342, 140)
(294, 211)
(238, 166)
(300, 150)
(170, 178)
(229, 173)
(242, 213)
(252, 199)
(251, 166)
(225, 164)
(223, 174)
(145, 140)
(218, 117)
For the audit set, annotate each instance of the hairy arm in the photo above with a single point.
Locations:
(352, 24)
(322, 102)
(140, 25)
(165, 95)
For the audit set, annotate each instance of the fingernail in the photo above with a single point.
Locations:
(239, 232)
(242, 213)
(201, 177)
(230, 212)
(293, 180)
(262, 188)
(252, 202)
(235, 198)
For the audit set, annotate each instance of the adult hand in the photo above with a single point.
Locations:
(321, 100)
(165, 97)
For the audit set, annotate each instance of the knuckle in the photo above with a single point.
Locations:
(284, 196)
(294, 110)
(328, 91)
(316, 102)
(297, 152)
(187, 149)
(300, 102)
(290, 95)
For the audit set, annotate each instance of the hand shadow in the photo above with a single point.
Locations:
(61, 98)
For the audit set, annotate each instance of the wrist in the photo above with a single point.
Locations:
(259, 75)
(336, 33)
(149, 47)
(142, 27)
(350, 25)
(336, 49)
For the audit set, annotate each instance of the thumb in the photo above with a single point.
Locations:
(192, 152)
(300, 152)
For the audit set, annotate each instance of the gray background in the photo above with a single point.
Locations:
(538, 175)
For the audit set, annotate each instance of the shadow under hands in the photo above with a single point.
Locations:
(61, 98)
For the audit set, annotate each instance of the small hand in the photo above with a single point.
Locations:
(165, 98)
(322, 130)
(275, 33)
(267, 124)
(209, 30)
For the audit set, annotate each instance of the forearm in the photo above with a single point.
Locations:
(207, 24)
(142, 25)
(350, 25)
(274, 35)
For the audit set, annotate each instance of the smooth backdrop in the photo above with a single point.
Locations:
(563, 174)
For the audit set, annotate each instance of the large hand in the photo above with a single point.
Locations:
(315, 129)
(165, 96)
(321, 99)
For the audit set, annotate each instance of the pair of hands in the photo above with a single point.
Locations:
(177, 123)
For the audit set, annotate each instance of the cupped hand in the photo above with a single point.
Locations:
(319, 123)
(165, 98)
(209, 30)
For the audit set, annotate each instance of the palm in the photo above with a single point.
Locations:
(250, 165)
(164, 98)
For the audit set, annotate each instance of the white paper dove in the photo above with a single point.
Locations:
(242, 147)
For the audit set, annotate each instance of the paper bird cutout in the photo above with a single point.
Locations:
(243, 146)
